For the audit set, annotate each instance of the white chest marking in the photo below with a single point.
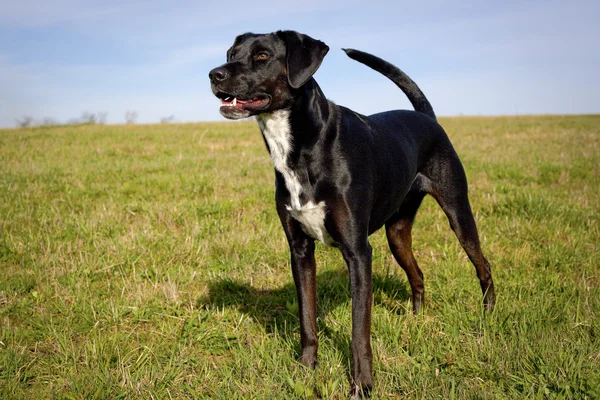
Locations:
(277, 132)
(312, 218)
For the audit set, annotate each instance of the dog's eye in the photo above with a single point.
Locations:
(262, 56)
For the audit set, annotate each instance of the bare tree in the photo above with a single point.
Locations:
(101, 117)
(48, 121)
(130, 117)
(88, 118)
(25, 122)
(166, 120)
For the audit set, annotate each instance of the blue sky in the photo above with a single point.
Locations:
(61, 58)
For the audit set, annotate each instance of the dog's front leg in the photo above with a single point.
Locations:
(305, 271)
(358, 259)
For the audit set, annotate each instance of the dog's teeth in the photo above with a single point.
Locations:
(234, 101)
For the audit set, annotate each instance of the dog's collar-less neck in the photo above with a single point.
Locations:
(311, 106)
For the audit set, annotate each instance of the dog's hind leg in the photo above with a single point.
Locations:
(449, 188)
(399, 235)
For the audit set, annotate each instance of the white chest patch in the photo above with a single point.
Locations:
(312, 218)
(277, 132)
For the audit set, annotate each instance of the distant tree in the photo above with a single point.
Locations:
(74, 121)
(101, 117)
(130, 117)
(166, 120)
(48, 121)
(25, 122)
(87, 118)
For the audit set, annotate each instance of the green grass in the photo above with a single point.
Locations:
(148, 262)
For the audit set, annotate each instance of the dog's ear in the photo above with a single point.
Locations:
(303, 58)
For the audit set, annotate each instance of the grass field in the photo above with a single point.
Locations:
(148, 262)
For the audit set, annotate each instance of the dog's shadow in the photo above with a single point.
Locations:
(277, 309)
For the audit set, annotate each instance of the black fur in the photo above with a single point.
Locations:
(369, 172)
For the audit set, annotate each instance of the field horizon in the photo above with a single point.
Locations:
(147, 261)
(42, 124)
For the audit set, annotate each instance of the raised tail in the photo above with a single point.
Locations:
(408, 86)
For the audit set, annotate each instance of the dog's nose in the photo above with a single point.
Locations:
(218, 74)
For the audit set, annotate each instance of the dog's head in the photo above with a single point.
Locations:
(262, 72)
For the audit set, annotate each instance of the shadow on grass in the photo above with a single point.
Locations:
(277, 309)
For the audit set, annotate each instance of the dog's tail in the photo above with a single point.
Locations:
(408, 86)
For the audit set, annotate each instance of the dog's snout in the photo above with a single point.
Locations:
(218, 74)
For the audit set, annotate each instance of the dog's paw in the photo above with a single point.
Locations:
(358, 393)
(309, 361)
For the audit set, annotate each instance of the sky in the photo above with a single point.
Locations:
(62, 58)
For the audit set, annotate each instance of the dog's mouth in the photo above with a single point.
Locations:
(237, 107)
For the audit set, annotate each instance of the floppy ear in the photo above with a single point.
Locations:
(303, 58)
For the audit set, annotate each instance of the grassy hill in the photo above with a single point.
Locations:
(148, 262)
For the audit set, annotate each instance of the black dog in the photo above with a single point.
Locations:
(340, 175)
